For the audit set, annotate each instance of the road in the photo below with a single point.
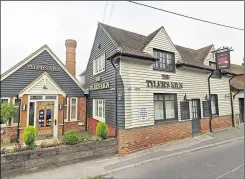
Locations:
(225, 161)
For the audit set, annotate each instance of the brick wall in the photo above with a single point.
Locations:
(10, 131)
(217, 123)
(135, 139)
(92, 123)
(74, 126)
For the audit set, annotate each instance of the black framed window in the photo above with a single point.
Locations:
(31, 113)
(205, 108)
(185, 111)
(166, 60)
(165, 107)
(214, 104)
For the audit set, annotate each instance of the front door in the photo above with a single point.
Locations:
(196, 115)
(241, 106)
(44, 119)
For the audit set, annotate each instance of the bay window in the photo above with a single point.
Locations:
(99, 109)
(165, 107)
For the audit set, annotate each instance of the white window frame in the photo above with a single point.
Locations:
(73, 119)
(67, 109)
(99, 118)
(99, 65)
(13, 102)
(8, 98)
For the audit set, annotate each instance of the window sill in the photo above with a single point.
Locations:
(165, 70)
(98, 73)
(169, 121)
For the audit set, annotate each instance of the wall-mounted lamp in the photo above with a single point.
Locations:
(60, 106)
(23, 107)
(185, 97)
(206, 97)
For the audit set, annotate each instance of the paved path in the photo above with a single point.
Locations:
(162, 153)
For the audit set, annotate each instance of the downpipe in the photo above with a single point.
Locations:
(115, 68)
(209, 103)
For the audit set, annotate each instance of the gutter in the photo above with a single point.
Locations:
(209, 103)
(231, 99)
(194, 66)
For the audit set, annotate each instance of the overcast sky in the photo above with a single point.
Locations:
(26, 26)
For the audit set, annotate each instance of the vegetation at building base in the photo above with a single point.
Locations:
(102, 130)
(29, 137)
(71, 138)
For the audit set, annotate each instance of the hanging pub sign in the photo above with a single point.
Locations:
(164, 84)
(223, 59)
(98, 86)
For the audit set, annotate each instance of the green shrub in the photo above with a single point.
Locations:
(29, 137)
(102, 130)
(71, 137)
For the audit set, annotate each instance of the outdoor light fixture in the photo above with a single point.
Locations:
(206, 97)
(23, 107)
(60, 106)
(185, 97)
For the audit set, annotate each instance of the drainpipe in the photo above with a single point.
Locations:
(115, 68)
(209, 103)
(238, 91)
(231, 100)
(63, 128)
(18, 127)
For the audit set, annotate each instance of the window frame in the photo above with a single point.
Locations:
(158, 61)
(216, 104)
(204, 113)
(71, 105)
(8, 98)
(96, 64)
(97, 117)
(164, 107)
(182, 117)
(67, 108)
(13, 102)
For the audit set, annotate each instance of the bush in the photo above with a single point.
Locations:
(102, 130)
(71, 138)
(29, 137)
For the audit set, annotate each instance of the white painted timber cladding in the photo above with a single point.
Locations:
(134, 74)
(162, 42)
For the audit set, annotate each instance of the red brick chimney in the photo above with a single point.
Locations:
(71, 55)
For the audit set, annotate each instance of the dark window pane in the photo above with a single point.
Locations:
(31, 113)
(41, 118)
(185, 112)
(48, 117)
(205, 109)
(36, 97)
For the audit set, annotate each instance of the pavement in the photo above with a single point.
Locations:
(212, 155)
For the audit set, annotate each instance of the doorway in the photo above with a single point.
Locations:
(196, 115)
(241, 110)
(45, 119)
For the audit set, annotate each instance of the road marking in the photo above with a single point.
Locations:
(230, 171)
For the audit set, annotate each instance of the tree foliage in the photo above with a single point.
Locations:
(8, 111)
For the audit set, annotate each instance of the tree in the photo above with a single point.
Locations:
(8, 111)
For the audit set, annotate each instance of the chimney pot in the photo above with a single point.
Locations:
(71, 55)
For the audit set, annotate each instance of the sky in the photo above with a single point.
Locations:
(26, 26)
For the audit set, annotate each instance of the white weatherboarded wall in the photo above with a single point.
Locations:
(236, 102)
(134, 74)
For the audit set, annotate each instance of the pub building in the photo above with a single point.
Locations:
(46, 92)
(149, 91)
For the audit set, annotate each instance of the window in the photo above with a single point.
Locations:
(73, 109)
(185, 112)
(99, 65)
(36, 97)
(41, 118)
(50, 97)
(65, 108)
(99, 109)
(214, 104)
(31, 113)
(165, 107)
(16, 103)
(4, 100)
(212, 65)
(205, 108)
(166, 61)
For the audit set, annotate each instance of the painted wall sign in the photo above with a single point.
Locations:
(165, 77)
(164, 84)
(223, 59)
(143, 113)
(98, 86)
(44, 67)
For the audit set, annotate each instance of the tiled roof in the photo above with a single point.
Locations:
(134, 43)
